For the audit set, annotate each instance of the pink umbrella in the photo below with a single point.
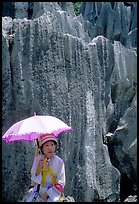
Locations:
(30, 128)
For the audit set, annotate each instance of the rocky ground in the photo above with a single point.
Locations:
(131, 198)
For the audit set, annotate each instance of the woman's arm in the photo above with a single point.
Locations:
(34, 176)
(55, 191)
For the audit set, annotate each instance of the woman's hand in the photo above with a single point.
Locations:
(44, 196)
(41, 162)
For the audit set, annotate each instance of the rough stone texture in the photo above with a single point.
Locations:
(131, 199)
(114, 20)
(51, 65)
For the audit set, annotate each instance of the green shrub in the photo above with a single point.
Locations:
(76, 6)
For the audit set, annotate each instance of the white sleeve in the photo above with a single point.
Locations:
(55, 191)
(34, 178)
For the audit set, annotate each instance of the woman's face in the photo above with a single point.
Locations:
(48, 149)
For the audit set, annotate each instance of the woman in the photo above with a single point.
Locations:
(48, 170)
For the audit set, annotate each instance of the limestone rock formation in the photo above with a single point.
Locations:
(60, 64)
(131, 199)
(115, 20)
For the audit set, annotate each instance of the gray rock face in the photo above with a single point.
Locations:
(51, 65)
(116, 21)
(131, 199)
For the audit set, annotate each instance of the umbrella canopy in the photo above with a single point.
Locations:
(30, 128)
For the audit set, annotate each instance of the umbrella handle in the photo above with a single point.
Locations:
(37, 142)
(36, 151)
(37, 148)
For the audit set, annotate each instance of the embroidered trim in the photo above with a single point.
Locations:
(59, 187)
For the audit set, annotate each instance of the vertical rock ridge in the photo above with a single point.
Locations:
(64, 66)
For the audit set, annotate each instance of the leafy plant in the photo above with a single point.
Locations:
(76, 6)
